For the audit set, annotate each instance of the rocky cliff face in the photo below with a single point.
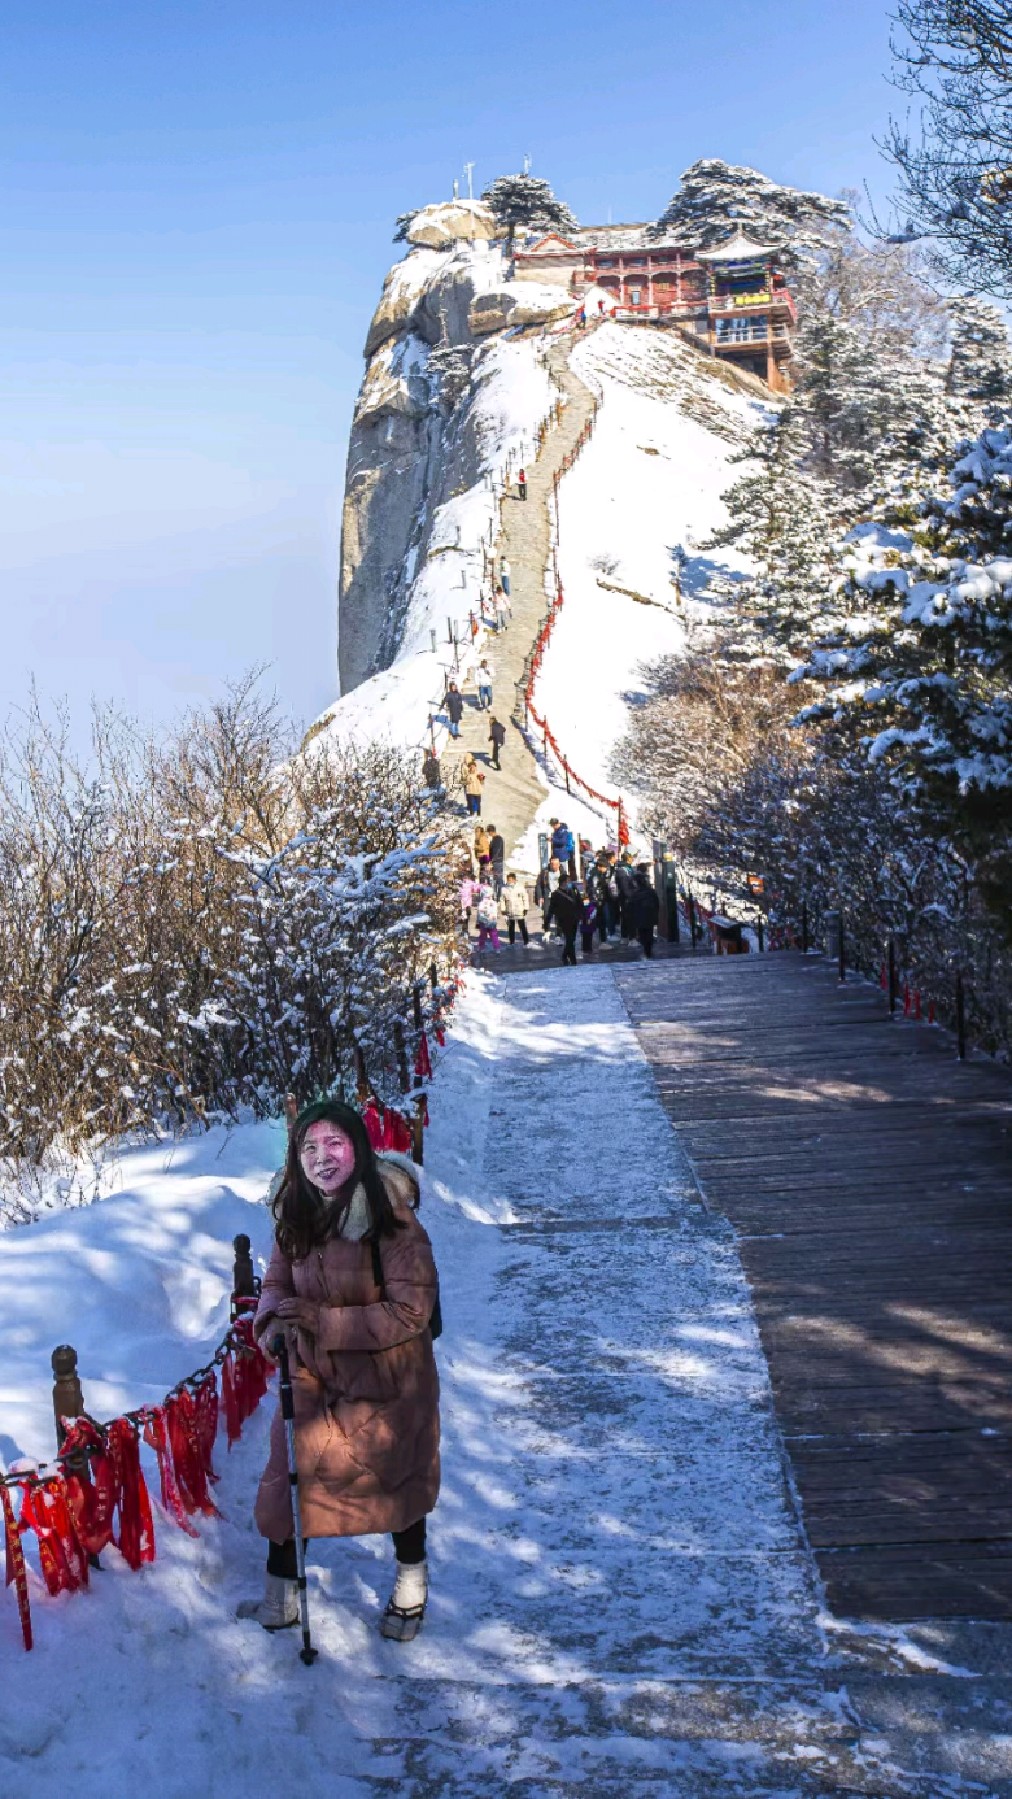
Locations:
(414, 436)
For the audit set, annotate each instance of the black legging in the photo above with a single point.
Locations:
(409, 1548)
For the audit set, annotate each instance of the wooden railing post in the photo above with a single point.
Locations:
(68, 1399)
(960, 1016)
(244, 1280)
(361, 1076)
(401, 1049)
(68, 1402)
(804, 927)
(416, 998)
(894, 980)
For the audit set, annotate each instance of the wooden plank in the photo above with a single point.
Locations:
(870, 1177)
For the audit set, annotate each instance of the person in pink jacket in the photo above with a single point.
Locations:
(352, 1284)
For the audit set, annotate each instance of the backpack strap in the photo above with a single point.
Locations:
(377, 1266)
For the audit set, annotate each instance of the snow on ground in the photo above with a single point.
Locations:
(621, 1596)
(647, 485)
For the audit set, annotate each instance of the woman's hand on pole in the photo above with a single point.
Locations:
(300, 1314)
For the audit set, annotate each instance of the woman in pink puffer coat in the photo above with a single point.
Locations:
(364, 1376)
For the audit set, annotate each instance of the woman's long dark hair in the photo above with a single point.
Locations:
(303, 1216)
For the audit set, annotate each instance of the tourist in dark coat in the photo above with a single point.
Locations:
(597, 890)
(588, 924)
(496, 737)
(645, 908)
(545, 886)
(613, 910)
(566, 909)
(497, 857)
(625, 877)
(454, 704)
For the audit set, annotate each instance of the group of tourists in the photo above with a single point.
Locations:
(488, 895)
(614, 897)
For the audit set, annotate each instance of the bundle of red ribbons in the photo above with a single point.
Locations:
(98, 1495)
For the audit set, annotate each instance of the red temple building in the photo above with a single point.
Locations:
(733, 300)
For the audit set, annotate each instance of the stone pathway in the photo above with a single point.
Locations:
(512, 797)
(624, 1601)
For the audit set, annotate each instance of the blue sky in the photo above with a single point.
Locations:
(197, 208)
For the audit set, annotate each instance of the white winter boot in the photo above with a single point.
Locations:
(402, 1619)
(279, 1606)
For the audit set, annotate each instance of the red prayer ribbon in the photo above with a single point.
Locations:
(15, 1572)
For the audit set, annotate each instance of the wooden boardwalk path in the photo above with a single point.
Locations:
(869, 1176)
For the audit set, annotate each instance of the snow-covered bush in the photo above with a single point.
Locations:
(203, 923)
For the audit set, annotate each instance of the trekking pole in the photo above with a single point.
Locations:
(279, 1348)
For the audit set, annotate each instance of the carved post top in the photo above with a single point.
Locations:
(63, 1360)
(68, 1399)
(243, 1276)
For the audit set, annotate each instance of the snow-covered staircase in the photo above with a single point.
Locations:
(511, 798)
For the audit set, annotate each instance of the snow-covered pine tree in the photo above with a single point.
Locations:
(402, 225)
(781, 517)
(869, 416)
(715, 198)
(526, 203)
(927, 687)
(980, 365)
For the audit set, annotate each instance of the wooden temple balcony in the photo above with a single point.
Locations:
(745, 333)
(775, 299)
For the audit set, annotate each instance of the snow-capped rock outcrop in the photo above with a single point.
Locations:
(420, 435)
(449, 222)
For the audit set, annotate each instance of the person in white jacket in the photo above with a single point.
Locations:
(514, 904)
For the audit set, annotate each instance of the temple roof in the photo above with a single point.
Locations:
(738, 248)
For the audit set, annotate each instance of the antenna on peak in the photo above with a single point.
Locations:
(469, 171)
(527, 163)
